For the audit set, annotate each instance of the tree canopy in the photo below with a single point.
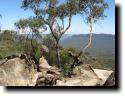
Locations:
(57, 14)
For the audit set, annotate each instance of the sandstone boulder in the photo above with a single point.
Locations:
(87, 76)
(43, 64)
(84, 76)
(16, 72)
(103, 75)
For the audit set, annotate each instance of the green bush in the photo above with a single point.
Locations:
(66, 60)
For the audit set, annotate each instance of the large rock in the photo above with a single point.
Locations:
(43, 64)
(87, 76)
(84, 76)
(104, 75)
(16, 71)
(48, 77)
(110, 80)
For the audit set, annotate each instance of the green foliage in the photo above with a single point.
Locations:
(35, 24)
(7, 35)
(30, 46)
(32, 50)
(21, 44)
(53, 13)
(1, 57)
(50, 44)
(7, 44)
(21, 24)
(65, 55)
(102, 44)
(107, 63)
(66, 60)
(99, 62)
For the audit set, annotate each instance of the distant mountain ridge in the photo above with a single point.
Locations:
(102, 44)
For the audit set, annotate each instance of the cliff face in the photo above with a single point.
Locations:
(17, 70)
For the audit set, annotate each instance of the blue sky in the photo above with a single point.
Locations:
(11, 12)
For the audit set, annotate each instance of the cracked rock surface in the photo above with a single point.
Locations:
(16, 70)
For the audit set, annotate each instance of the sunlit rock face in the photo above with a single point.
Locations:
(17, 70)
(87, 76)
(43, 63)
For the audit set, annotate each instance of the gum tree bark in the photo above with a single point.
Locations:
(86, 47)
(90, 37)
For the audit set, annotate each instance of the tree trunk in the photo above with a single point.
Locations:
(84, 48)
(58, 56)
(90, 37)
(49, 57)
(33, 50)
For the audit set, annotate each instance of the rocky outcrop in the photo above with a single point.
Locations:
(104, 75)
(17, 70)
(43, 64)
(85, 75)
(110, 80)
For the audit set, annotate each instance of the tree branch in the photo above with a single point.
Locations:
(90, 37)
(62, 24)
(64, 30)
(51, 29)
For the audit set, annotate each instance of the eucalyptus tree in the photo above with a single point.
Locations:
(49, 42)
(36, 27)
(94, 12)
(21, 26)
(54, 14)
(32, 26)
(57, 14)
